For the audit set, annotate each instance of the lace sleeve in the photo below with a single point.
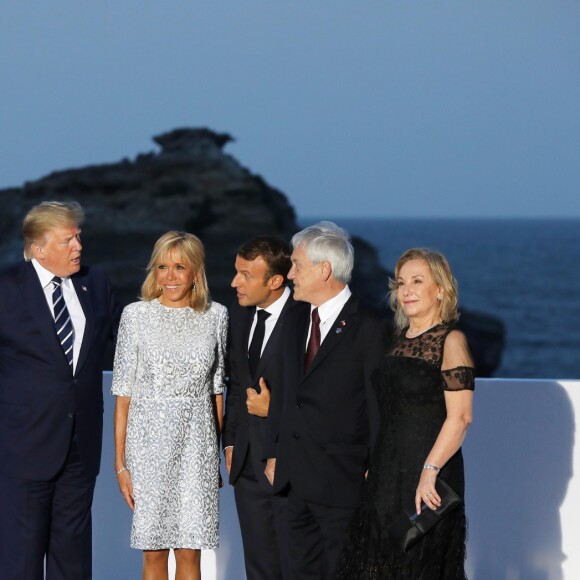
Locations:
(219, 367)
(126, 354)
(457, 372)
(458, 379)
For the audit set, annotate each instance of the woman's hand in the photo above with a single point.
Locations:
(120, 424)
(126, 487)
(426, 491)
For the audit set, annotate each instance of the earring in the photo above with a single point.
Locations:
(440, 297)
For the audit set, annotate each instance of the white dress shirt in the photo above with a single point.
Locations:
(275, 309)
(72, 303)
(328, 313)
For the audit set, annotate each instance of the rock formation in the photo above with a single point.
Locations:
(192, 185)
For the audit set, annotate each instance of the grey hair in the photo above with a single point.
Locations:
(326, 242)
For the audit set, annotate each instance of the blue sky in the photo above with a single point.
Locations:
(376, 108)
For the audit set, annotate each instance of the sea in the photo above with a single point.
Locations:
(525, 272)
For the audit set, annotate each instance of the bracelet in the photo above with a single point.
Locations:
(431, 467)
(121, 470)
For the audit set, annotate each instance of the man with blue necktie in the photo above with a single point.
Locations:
(56, 318)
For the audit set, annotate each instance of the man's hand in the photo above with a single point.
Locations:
(270, 470)
(229, 452)
(258, 404)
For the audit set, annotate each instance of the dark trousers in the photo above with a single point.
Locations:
(317, 534)
(263, 525)
(47, 519)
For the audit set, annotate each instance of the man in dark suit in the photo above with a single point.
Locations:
(320, 430)
(55, 320)
(257, 320)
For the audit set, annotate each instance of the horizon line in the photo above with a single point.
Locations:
(435, 218)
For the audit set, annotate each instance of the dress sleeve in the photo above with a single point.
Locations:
(219, 368)
(458, 379)
(126, 354)
(457, 372)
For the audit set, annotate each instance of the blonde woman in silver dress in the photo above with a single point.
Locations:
(168, 378)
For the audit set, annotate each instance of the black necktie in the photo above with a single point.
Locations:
(255, 350)
(62, 320)
(313, 341)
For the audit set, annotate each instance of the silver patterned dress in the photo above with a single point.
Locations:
(170, 361)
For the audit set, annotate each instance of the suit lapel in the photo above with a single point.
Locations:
(40, 311)
(84, 296)
(245, 327)
(302, 332)
(343, 324)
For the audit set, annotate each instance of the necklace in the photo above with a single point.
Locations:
(409, 334)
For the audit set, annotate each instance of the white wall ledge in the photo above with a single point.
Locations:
(523, 501)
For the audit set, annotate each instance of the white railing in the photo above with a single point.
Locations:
(523, 502)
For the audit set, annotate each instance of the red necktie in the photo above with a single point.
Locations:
(313, 341)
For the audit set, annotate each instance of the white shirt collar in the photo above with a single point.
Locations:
(43, 274)
(276, 307)
(333, 306)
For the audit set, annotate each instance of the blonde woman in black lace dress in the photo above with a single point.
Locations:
(424, 387)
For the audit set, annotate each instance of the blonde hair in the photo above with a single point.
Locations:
(441, 272)
(47, 216)
(190, 250)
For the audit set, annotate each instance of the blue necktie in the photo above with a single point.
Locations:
(62, 320)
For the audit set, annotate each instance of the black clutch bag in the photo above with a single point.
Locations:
(408, 529)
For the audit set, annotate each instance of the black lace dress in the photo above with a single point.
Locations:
(410, 386)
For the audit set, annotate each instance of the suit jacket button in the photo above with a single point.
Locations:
(70, 415)
(295, 436)
(299, 404)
